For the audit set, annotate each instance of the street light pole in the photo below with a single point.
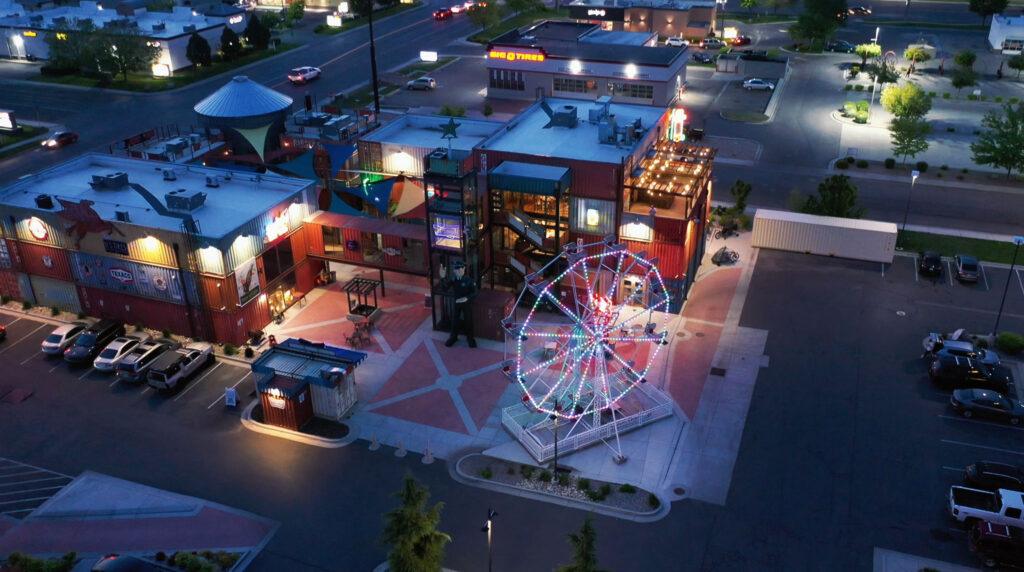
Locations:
(487, 528)
(906, 212)
(1017, 241)
(373, 65)
(555, 470)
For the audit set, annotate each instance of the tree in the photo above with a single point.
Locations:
(883, 72)
(520, 6)
(837, 196)
(256, 32)
(740, 191)
(198, 51)
(776, 4)
(230, 46)
(1016, 63)
(963, 77)
(749, 5)
(813, 27)
(986, 8)
(411, 531)
(296, 10)
(584, 549)
(362, 8)
(965, 59)
(869, 50)
(906, 100)
(916, 55)
(1001, 144)
(25, 563)
(485, 15)
(126, 51)
(909, 136)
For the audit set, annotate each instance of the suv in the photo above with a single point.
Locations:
(62, 337)
(963, 348)
(117, 350)
(711, 44)
(997, 545)
(990, 476)
(676, 42)
(930, 263)
(92, 340)
(134, 366)
(840, 46)
(956, 371)
(173, 368)
(966, 268)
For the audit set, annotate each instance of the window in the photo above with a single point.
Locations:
(632, 90)
(278, 260)
(507, 79)
(115, 246)
(5, 255)
(1012, 512)
(593, 216)
(574, 85)
(1013, 45)
(332, 239)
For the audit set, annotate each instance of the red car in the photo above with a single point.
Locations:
(442, 14)
(60, 139)
(3, 332)
(740, 41)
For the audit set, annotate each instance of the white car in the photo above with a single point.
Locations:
(425, 83)
(676, 42)
(62, 337)
(304, 74)
(458, 8)
(175, 367)
(758, 84)
(116, 351)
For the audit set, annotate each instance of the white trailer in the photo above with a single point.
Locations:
(825, 235)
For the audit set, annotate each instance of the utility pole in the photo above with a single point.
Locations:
(373, 65)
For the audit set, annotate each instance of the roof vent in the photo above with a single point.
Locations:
(212, 181)
(159, 27)
(184, 200)
(122, 216)
(169, 175)
(44, 201)
(188, 28)
(110, 181)
(564, 117)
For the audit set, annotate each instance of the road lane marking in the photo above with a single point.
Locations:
(986, 447)
(196, 382)
(1017, 272)
(31, 490)
(983, 276)
(87, 372)
(215, 401)
(41, 326)
(978, 422)
(954, 469)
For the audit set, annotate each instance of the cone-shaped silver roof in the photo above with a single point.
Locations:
(242, 97)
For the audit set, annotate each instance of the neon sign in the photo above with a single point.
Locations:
(516, 56)
(277, 227)
(595, 12)
(236, 19)
(677, 125)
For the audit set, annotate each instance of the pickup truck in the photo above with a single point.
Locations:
(968, 506)
(175, 367)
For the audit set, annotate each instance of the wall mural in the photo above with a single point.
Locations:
(84, 220)
(247, 280)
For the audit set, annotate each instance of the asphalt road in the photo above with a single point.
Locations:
(913, 11)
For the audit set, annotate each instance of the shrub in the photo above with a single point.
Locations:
(745, 222)
(605, 489)
(972, 97)
(510, 470)
(488, 110)
(849, 109)
(139, 327)
(1014, 100)
(932, 94)
(848, 87)
(858, 87)
(563, 479)
(161, 556)
(982, 343)
(862, 164)
(842, 164)
(545, 477)
(850, 159)
(921, 166)
(80, 315)
(862, 105)
(593, 495)
(165, 333)
(945, 95)
(890, 163)
(862, 117)
(964, 170)
(939, 175)
(652, 501)
(951, 130)
(870, 88)
(249, 352)
(944, 167)
(54, 311)
(999, 99)
(1010, 342)
(486, 472)
(26, 305)
(583, 484)
(627, 489)
(526, 471)
(230, 349)
(959, 177)
(4, 298)
(452, 111)
(983, 98)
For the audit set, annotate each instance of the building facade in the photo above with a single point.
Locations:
(692, 19)
(1006, 34)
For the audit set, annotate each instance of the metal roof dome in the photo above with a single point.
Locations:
(242, 97)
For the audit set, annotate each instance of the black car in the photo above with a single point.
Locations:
(703, 57)
(930, 263)
(740, 41)
(966, 268)
(119, 563)
(88, 345)
(840, 46)
(987, 404)
(991, 476)
(955, 371)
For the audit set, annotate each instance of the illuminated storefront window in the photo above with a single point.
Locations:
(592, 216)
(446, 231)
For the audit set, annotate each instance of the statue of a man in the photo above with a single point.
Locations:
(462, 290)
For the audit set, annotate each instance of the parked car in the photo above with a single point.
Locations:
(443, 14)
(62, 337)
(60, 139)
(117, 350)
(711, 44)
(840, 46)
(949, 370)
(424, 83)
(3, 332)
(757, 84)
(92, 340)
(930, 263)
(703, 57)
(987, 403)
(175, 367)
(676, 42)
(694, 133)
(858, 11)
(935, 341)
(997, 545)
(963, 348)
(967, 505)
(305, 74)
(966, 268)
(124, 563)
(134, 366)
(740, 41)
(991, 476)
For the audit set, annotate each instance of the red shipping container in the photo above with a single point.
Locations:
(48, 261)
(9, 284)
(130, 309)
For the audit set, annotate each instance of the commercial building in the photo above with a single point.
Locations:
(202, 252)
(24, 32)
(581, 61)
(1006, 33)
(692, 19)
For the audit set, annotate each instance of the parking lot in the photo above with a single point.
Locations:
(23, 488)
(872, 445)
(735, 99)
(201, 399)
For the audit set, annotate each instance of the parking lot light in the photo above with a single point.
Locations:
(1017, 241)
(906, 212)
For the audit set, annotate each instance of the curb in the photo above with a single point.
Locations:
(455, 471)
(298, 437)
(855, 174)
(15, 148)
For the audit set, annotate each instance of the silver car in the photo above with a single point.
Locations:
(422, 83)
(757, 84)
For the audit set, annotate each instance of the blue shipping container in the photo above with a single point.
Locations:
(132, 278)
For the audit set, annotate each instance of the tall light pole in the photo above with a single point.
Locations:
(373, 65)
(877, 30)
(488, 526)
(1017, 241)
(906, 212)
(555, 469)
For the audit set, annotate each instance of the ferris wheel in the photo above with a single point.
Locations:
(585, 332)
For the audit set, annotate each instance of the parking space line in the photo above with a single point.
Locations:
(36, 468)
(196, 382)
(949, 273)
(20, 501)
(1017, 272)
(29, 358)
(954, 469)
(215, 401)
(145, 391)
(54, 367)
(16, 320)
(983, 276)
(19, 510)
(23, 338)
(916, 273)
(883, 270)
(961, 443)
(115, 382)
(87, 372)
(975, 421)
(19, 474)
(34, 481)
(32, 490)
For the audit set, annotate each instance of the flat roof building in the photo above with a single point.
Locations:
(1006, 33)
(692, 19)
(581, 61)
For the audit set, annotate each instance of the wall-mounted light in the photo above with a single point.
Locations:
(575, 66)
(593, 217)
(37, 228)
(631, 71)
(150, 242)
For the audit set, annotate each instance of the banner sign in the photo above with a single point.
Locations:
(247, 281)
(130, 277)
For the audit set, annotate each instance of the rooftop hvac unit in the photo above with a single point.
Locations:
(122, 216)
(159, 27)
(188, 28)
(109, 181)
(212, 181)
(184, 200)
(44, 201)
(169, 175)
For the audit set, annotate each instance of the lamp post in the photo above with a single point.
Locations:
(555, 468)
(906, 212)
(487, 528)
(373, 65)
(877, 30)
(1017, 241)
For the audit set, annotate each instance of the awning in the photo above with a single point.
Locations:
(339, 155)
(406, 195)
(301, 166)
(377, 193)
(529, 178)
(370, 224)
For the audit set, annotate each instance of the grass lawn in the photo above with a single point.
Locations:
(760, 18)
(138, 81)
(364, 97)
(986, 250)
(27, 132)
(421, 68)
(360, 21)
(745, 116)
(518, 21)
(933, 25)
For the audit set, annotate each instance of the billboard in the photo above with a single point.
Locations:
(131, 277)
(602, 13)
(247, 281)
